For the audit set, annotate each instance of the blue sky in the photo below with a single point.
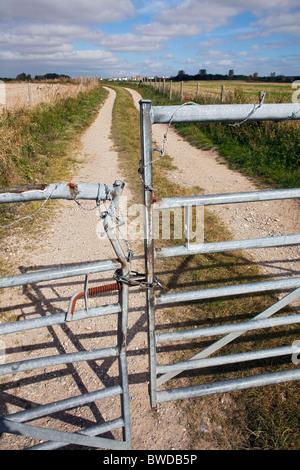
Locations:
(159, 37)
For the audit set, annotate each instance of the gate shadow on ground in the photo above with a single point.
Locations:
(40, 305)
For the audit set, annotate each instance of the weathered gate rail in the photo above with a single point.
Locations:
(159, 374)
(17, 423)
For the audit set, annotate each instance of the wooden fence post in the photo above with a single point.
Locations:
(222, 93)
(181, 91)
(2, 95)
(29, 95)
(170, 95)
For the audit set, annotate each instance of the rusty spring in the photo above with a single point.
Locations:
(93, 291)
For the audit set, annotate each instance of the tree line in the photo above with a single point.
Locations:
(23, 77)
(203, 75)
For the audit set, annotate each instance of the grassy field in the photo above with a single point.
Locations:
(249, 92)
(263, 418)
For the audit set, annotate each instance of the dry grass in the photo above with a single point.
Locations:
(211, 91)
(27, 95)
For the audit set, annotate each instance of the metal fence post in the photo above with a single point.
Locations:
(148, 195)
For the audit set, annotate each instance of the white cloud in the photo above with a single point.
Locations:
(217, 54)
(153, 65)
(167, 56)
(163, 33)
(145, 7)
(212, 42)
(65, 56)
(194, 17)
(48, 37)
(71, 62)
(269, 45)
(209, 13)
(67, 11)
(44, 32)
(130, 43)
(285, 23)
(56, 36)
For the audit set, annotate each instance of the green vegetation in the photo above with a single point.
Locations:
(38, 146)
(262, 418)
(211, 89)
(266, 151)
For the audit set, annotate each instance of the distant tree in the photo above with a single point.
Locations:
(202, 72)
(51, 76)
(181, 73)
(23, 77)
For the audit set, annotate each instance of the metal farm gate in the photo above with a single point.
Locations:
(20, 423)
(17, 423)
(160, 374)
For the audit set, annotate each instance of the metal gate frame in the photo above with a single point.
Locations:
(17, 423)
(159, 374)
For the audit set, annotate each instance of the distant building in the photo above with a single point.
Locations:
(136, 79)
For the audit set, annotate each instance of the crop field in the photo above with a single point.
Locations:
(234, 90)
(27, 95)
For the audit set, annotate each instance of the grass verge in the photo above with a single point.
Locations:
(261, 418)
(38, 145)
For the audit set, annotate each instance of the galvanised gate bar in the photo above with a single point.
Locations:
(159, 374)
(17, 423)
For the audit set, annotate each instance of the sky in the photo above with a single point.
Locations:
(119, 38)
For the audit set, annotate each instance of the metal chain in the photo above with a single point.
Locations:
(162, 150)
(88, 209)
(255, 108)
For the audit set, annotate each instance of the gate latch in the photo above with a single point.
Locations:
(136, 279)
